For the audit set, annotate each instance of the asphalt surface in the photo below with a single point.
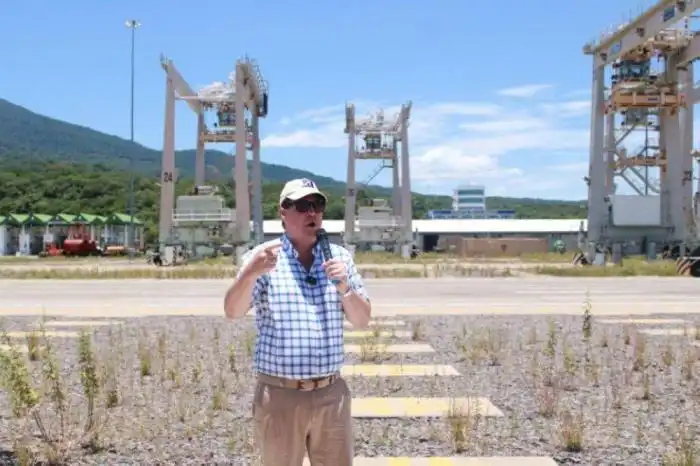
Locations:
(444, 296)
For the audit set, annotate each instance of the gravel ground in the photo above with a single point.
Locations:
(631, 396)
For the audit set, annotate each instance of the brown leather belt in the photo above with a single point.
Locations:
(304, 385)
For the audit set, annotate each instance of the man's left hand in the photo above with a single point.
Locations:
(335, 269)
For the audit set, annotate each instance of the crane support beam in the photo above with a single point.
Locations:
(689, 55)
(661, 16)
(691, 51)
(180, 86)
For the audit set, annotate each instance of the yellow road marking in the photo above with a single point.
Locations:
(453, 461)
(398, 370)
(666, 331)
(20, 348)
(381, 323)
(382, 334)
(80, 323)
(642, 321)
(422, 407)
(56, 334)
(386, 348)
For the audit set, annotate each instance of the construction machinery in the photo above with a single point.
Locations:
(235, 108)
(380, 223)
(642, 132)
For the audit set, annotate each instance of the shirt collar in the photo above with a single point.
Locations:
(289, 249)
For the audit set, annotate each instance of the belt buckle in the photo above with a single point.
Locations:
(301, 384)
(303, 387)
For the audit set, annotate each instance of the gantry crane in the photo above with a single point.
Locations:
(661, 103)
(246, 91)
(378, 223)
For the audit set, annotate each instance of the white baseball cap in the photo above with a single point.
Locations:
(299, 188)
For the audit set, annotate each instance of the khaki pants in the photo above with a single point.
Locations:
(290, 422)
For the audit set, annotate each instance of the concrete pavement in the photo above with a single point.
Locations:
(445, 296)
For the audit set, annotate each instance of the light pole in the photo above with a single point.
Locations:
(133, 25)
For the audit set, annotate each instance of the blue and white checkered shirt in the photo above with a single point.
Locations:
(300, 324)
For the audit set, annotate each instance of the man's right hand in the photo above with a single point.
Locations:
(264, 261)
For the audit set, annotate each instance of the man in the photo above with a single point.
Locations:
(300, 299)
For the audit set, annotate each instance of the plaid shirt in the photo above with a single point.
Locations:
(300, 324)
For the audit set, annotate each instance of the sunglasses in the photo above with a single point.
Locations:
(304, 205)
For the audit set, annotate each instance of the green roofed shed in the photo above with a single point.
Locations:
(40, 219)
(18, 219)
(63, 219)
(89, 219)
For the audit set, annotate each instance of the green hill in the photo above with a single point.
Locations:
(25, 135)
(51, 166)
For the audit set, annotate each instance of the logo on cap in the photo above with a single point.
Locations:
(307, 183)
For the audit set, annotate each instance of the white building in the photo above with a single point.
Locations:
(469, 198)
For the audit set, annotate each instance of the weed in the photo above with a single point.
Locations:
(687, 365)
(547, 401)
(551, 347)
(145, 359)
(33, 346)
(463, 421)
(570, 362)
(639, 362)
(417, 331)
(571, 431)
(372, 350)
(16, 379)
(685, 453)
(89, 377)
(587, 318)
(667, 356)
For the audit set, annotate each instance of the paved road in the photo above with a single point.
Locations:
(524, 295)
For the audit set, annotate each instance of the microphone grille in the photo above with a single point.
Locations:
(320, 233)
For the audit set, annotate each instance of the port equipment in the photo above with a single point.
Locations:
(649, 89)
(202, 215)
(379, 223)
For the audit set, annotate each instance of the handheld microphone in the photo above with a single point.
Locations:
(322, 238)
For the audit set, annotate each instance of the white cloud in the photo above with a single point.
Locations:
(501, 125)
(505, 147)
(526, 91)
(427, 123)
(572, 108)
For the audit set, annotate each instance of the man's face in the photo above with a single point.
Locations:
(303, 218)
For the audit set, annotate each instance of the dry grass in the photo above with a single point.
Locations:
(76, 406)
(215, 272)
(629, 268)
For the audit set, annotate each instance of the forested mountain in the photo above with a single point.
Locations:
(51, 166)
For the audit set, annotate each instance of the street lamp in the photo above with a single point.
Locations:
(133, 25)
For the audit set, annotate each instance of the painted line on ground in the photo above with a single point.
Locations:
(422, 407)
(380, 334)
(49, 333)
(452, 461)
(633, 321)
(380, 348)
(80, 323)
(20, 348)
(380, 323)
(398, 370)
(667, 331)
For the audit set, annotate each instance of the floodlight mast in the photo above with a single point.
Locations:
(381, 141)
(247, 92)
(660, 102)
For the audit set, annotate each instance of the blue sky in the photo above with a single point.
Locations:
(500, 89)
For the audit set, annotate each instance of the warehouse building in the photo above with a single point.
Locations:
(430, 232)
